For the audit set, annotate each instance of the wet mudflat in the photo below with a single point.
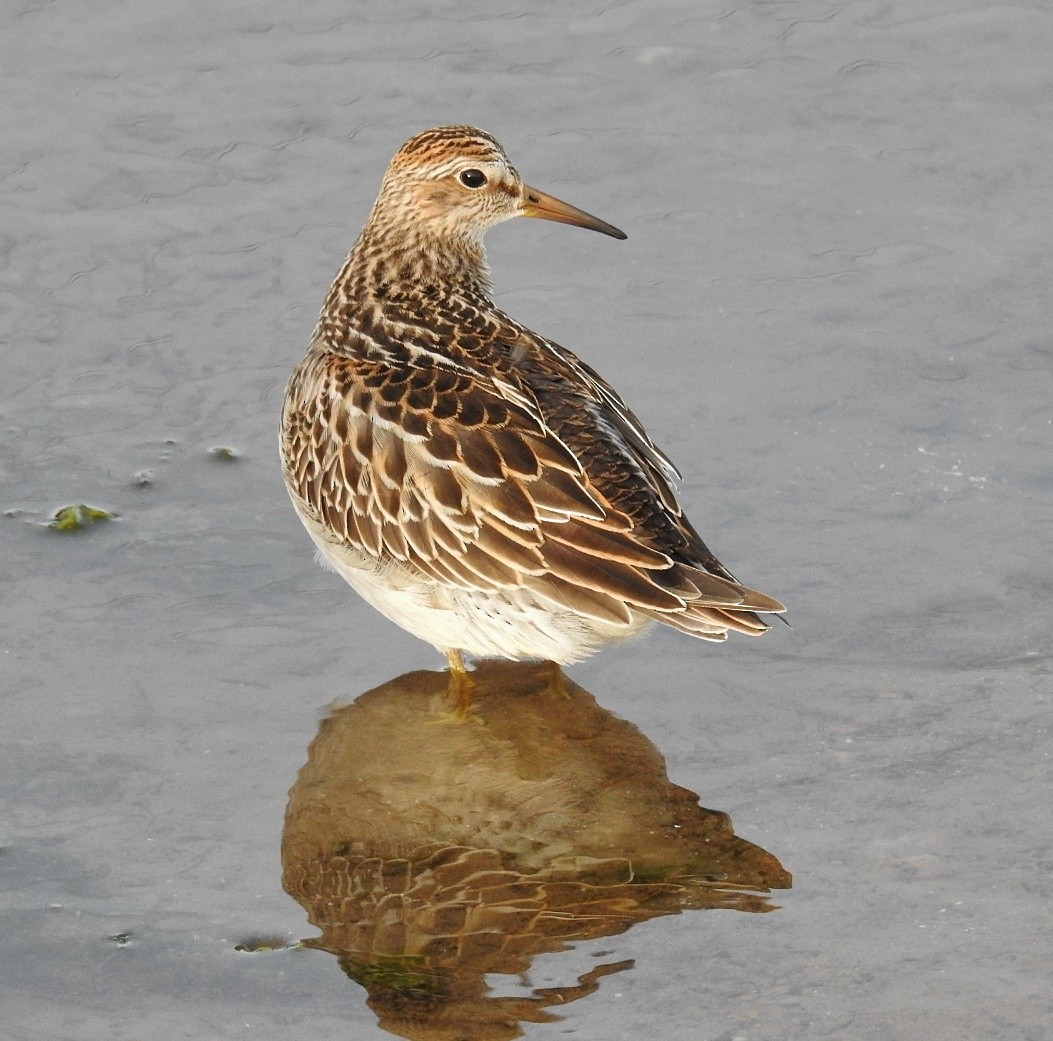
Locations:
(832, 312)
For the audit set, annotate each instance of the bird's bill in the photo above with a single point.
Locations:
(546, 207)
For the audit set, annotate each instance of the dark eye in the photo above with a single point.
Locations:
(472, 178)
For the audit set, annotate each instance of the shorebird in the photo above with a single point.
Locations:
(475, 482)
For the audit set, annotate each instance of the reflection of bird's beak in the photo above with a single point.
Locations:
(538, 204)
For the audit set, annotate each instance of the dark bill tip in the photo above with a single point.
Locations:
(547, 207)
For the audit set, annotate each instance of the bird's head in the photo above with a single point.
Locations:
(450, 184)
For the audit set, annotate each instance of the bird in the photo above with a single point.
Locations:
(477, 483)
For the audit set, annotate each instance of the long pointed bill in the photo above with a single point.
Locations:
(545, 207)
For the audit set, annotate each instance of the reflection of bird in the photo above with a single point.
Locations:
(475, 482)
(431, 856)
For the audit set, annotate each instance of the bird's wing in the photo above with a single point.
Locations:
(619, 413)
(592, 419)
(443, 473)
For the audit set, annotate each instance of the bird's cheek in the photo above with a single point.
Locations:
(437, 201)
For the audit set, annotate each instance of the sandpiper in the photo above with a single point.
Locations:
(477, 483)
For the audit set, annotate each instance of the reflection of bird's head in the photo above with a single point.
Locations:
(420, 1017)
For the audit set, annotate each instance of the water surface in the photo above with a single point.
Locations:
(832, 312)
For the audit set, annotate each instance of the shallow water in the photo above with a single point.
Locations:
(832, 312)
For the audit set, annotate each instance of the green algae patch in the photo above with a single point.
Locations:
(405, 975)
(78, 517)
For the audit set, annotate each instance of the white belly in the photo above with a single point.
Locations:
(514, 623)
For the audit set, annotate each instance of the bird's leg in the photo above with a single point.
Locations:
(556, 682)
(460, 688)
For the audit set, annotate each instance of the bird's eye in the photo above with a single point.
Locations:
(472, 178)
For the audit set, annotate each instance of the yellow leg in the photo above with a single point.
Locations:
(557, 685)
(461, 687)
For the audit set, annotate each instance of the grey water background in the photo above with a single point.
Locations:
(833, 312)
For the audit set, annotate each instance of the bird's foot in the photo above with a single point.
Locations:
(459, 692)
